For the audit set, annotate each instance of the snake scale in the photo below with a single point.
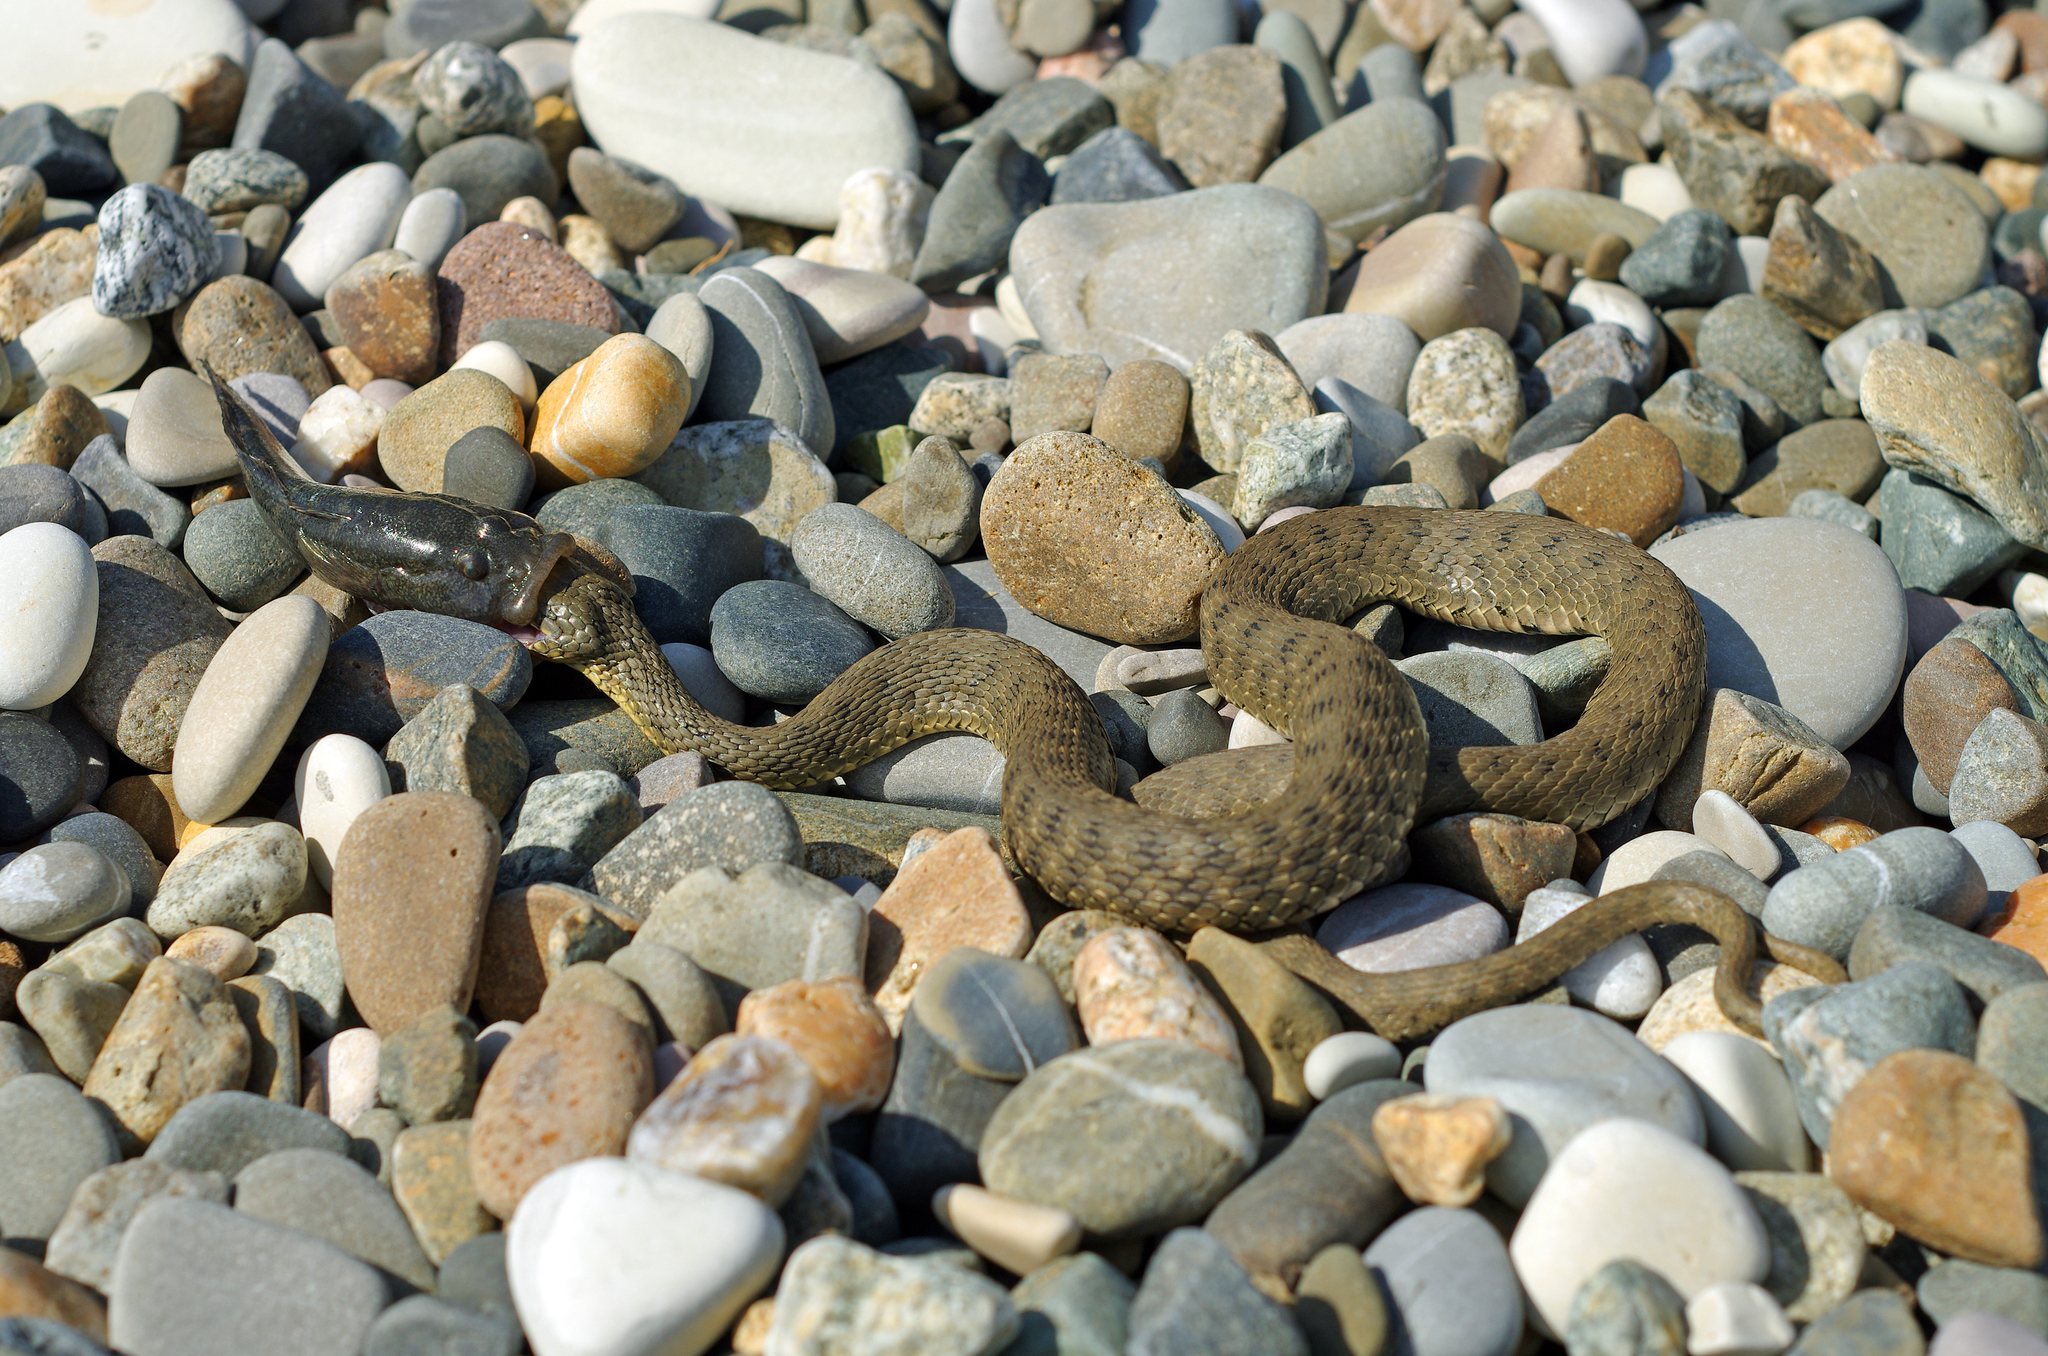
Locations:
(1253, 841)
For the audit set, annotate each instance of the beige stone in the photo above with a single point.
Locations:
(957, 893)
(611, 414)
(1130, 984)
(1438, 1147)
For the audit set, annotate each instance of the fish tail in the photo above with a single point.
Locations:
(264, 463)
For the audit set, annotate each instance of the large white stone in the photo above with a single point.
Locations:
(1638, 859)
(49, 610)
(594, 12)
(1990, 116)
(613, 1258)
(1752, 1122)
(357, 216)
(339, 777)
(1627, 1188)
(1803, 613)
(84, 54)
(75, 345)
(709, 106)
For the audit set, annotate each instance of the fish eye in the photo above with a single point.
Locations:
(473, 565)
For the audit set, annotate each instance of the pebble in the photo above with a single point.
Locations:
(51, 602)
(156, 248)
(1130, 984)
(581, 1270)
(1410, 926)
(1196, 1299)
(1448, 1276)
(503, 271)
(1752, 1119)
(1465, 382)
(1621, 980)
(56, 1140)
(743, 1113)
(1058, 248)
(835, 1292)
(172, 1290)
(1742, 652)
(756, 468)
(243, 328)
(873, 573)
(300, 953)
(1967, 1201)
(1918, 868)
(353, 218)
(1920, 225)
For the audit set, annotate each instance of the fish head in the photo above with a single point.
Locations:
(433, 553)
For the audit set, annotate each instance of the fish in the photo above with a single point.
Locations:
(403, 550)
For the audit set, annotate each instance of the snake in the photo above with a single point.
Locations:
(1255, 841)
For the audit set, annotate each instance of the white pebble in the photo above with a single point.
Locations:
(1655, 189)
(49, 612)
(342, 1075)
(1752, 1122)
(502, 361)
(1627, 1188)
(337, 429)
(1248, 731)
(608, 1256)
(1638, 859)
(1720, 819)
(1621, 980)
(1348, 1058)
(339, 777)
(1736, 1318)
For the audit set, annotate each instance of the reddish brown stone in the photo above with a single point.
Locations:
(958, 893)
(411, 885)
(12, 968)
(1945, 696)
(1497, 858)
(512, 974)
(2031, 29)
(500, 271)
(1935, 1146)
(28, 1289)
(388, 316)
(567, 1088)
(1627, 476)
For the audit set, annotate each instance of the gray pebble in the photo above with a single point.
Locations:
(487, 172)
(874, 573)
(197, 1278)
(1833, 507)
(1468, 697)
(26, 1336)
(51, 1139)
(1451, 1282)
(1626, 1309)
(134, 507)
(34, 493)
(728, 825)
(1766, 348)
(234, 179)
(421, 1325)
(953, 771)
(278, 400)
(978, 208)
(763, 365)
(773, 923)
(72, 1016)
(88, 1239)
(2002, 774)
(562, 825)
(1565, 676)
(473, 91)
(300, 954)
(2012, 1042)
(1830, 1037)
(1115, 165)
(121, 844)
(2002, 855)
(1985, 968)
(681, 998)
(1680, 264)
(240, 558)
(328, 1196)
(1823, 905)
(56, 891)
(1195, 1300)
(488, 466)
(1940, 542)
(782, 642)
(1957, 1286)
(1184, 726)
(224, 1132)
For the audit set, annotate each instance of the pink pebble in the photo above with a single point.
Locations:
(1279, 516)
(1929, 618)
(1524, 474)
(385, 391)
(340, 1076)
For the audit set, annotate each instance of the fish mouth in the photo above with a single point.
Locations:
(529, 636)
(525, 604)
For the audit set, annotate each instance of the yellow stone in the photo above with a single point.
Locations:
(612, 414)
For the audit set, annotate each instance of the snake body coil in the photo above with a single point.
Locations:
(1360, 765)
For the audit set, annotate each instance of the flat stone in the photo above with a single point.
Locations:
(331, 1198)
(756, 468)
(1925, 231)
(246, 880)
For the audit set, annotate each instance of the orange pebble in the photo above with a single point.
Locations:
(2023, 922)
(1838, 833)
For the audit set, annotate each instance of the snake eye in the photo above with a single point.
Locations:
(473, 566)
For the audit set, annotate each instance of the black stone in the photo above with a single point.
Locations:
(682, 561)
(40, 776)
(879, 389)
(70, 160)
(1573, 417)
(781, 642)
(290, 110)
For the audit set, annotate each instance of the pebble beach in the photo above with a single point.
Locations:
(372, 987)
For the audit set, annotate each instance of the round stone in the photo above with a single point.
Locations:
(1440, 273)
(782, 642)
(875, 574)
(1780, 594)
(55, 892)
(611, 414)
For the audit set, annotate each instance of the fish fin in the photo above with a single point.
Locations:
(320, 513)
